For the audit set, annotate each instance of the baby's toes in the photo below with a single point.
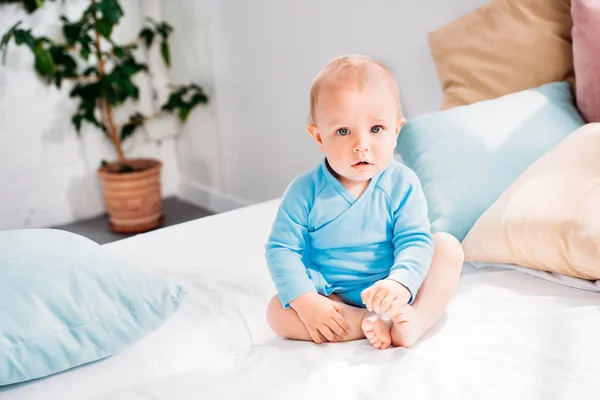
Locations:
(367, 327)
(377, 332)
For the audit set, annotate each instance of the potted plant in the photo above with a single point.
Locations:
(102, 72)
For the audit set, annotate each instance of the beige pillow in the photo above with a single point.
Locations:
(503, 47)
(549, 218)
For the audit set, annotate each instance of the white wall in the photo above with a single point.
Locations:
(200, 151)
(256, 59)
(47, 174)
(264, 56)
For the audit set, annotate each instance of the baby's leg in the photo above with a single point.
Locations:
(413, 321)
(285, 322)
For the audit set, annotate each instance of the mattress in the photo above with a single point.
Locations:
(506, 334)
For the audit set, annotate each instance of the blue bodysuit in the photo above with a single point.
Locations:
(324, 239)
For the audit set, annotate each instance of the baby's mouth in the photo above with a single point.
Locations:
(361, 164)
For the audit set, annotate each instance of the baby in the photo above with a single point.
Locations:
(351, 253)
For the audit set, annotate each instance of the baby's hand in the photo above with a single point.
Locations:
(322, 317)
(385, 295)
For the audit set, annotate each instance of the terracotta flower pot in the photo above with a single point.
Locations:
(133, 199)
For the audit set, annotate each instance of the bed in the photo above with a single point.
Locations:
(506, 334)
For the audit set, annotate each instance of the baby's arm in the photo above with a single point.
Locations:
(322, 318)
(286, 244)
(413, 241)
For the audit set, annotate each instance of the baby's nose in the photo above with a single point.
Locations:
(362, 144)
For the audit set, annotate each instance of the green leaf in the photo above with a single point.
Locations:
(173, 101)
(44, 63)
(184, 99)
(164, 51)
(111, 11)
(199, 98)
(32, 5)
(4, 45)
(129, 67)
(24, 37)
(138, 116)
(87, 106)
(183, 113)
(8, 35)
(29, 5)
(127, 131)
(90, 71)
(164, 29)
(71, 31)
(117, 86)
(5, 39)
(123, 52)
(135, 121)
(119, 52)
(88, 92)
(86, 44)
(65, 65)
(85, 53)
(147, 35)
(77, 120)
(133, 91)
(104, 27)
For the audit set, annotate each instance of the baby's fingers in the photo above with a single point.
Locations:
(377, 298)
(325, 331)
(338, 307)
(336, 329)
(314, 335)
(339, 318)
(367, 297)
(339, 325)
(386, 303)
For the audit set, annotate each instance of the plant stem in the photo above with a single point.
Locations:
(81, 79)
(149, 117)
(107, 114)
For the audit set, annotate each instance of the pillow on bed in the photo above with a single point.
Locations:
(465, 157)
(503, 47)
(586, 53)
(549, 218)
(66, 302)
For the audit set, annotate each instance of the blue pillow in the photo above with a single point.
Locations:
(64, 302)
(465, 157)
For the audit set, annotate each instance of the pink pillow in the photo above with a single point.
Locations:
(586, 56)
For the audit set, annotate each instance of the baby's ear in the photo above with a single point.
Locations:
(314, 132)
(401, 122)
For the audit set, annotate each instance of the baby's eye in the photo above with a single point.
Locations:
(376, 129)
(343, 131)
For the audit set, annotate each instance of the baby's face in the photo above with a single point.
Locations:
(357, 130)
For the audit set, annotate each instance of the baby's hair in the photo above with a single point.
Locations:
(349, 71)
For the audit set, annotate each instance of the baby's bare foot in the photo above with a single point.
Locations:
(407, 328)
(377, 331)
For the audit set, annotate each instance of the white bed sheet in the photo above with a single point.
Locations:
(505, 335)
